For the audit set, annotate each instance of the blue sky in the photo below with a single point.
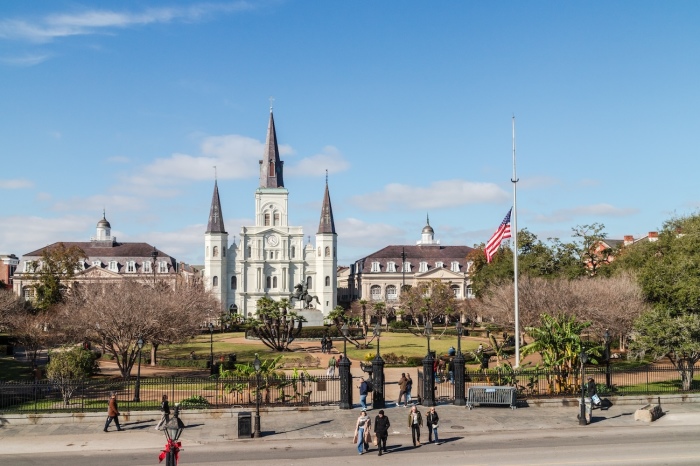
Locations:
(127, 106)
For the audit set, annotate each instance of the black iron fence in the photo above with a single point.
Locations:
(542, 383)
(191, 393)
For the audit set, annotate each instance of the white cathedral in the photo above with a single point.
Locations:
(271, 257)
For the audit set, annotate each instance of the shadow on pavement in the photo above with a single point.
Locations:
(328, 421)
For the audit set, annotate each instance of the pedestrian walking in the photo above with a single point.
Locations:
(331, 367)
(431, 421)
(381, 430)
(402, 390)
(363, 434)
(364, 389)
(112, 413)
(415, 422)
(165, 409)
(324, 340)
(409, 387)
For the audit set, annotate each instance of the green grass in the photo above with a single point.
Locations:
(409, 345)
(10, 369)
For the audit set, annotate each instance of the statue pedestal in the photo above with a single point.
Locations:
(314, 317)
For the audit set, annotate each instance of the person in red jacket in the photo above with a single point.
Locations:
(112, 413)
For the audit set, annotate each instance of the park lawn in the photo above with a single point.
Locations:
(11, 369)
(407, 344)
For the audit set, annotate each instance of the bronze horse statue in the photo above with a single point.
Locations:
(301, 293)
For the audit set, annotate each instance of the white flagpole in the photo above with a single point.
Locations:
(514, 235)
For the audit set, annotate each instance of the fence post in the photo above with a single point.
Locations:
(428, 380)
(378, 382)
(458, 363)
(345, 384)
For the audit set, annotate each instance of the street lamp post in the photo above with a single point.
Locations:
(211, 348)
(403, 270)
(345, 376)
(137, 387)
(458, 363)
(608, 375)
(428, 370)
(256, 365)
(154, 257)
(582, 421)
(378, 401)
(173, 430)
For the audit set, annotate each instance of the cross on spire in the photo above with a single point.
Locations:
(272, 99)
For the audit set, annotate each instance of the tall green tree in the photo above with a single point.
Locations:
(55, 269)
(275, 325)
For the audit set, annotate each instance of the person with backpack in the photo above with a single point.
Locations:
(365, 387)
(409, 387)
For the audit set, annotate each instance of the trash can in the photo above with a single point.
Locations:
(245, 428)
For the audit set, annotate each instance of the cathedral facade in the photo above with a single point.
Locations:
(271, 258)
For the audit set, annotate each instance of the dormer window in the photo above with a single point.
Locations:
(147, 267)
(113, 266)
(423, 267)
(455, 266)
(27, 267)
(97, 264)
(375, 267)
(391, 267)
(131, 267)
(439, 265)
(162, 267)
(406, 266)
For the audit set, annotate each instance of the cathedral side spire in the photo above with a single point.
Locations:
(216, 220)
(271, 165)
(326, 225)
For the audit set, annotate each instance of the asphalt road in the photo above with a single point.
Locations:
(676, 445)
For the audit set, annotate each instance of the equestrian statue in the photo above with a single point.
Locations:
(301, 293)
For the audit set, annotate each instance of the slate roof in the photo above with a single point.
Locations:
(416, 254)
(326, 224)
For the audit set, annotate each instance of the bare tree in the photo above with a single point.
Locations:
(607, 303)
(118, 314)
(10, 306)
(428, 302)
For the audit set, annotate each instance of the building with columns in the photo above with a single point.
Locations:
(271, 257)
(382, 275)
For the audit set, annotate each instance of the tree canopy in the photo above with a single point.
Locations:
(57, 266)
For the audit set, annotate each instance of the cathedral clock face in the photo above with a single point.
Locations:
(272, 240)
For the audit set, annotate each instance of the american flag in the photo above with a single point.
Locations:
(502, 233)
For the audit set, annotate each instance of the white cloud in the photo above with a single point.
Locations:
(358, 233)
(91, 22)
(440, 194)
(15, 184)
(98, 202)
(21, 235)
(27, 60)
(329, 159)
(594, 210)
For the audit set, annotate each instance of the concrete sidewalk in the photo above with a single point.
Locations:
(66, 433)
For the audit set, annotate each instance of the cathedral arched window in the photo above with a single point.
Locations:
(308, 283)
(274, 282)
(272, 169)
(224, 251)
(328, 251)
(215, 281)
(215, 252)
(234, 282)
(276, 219)
(249, 251)
(328, 281)
(267, 220)
(268, 282)
(294, 252)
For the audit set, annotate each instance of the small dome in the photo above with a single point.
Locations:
(103, 223)
(428, 229)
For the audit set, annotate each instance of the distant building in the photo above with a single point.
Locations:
(106, 260)
(271, 258)
(8, 265)
(382, 275)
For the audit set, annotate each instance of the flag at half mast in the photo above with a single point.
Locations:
(502, 233)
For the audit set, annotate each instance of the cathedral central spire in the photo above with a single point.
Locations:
(216, 220)
(271, 165)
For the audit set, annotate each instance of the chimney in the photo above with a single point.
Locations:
(653, 236)
(629, 239)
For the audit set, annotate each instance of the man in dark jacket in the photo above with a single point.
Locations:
(112, 413)
(381, 430)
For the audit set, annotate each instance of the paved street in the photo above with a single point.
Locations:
(533, 435)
